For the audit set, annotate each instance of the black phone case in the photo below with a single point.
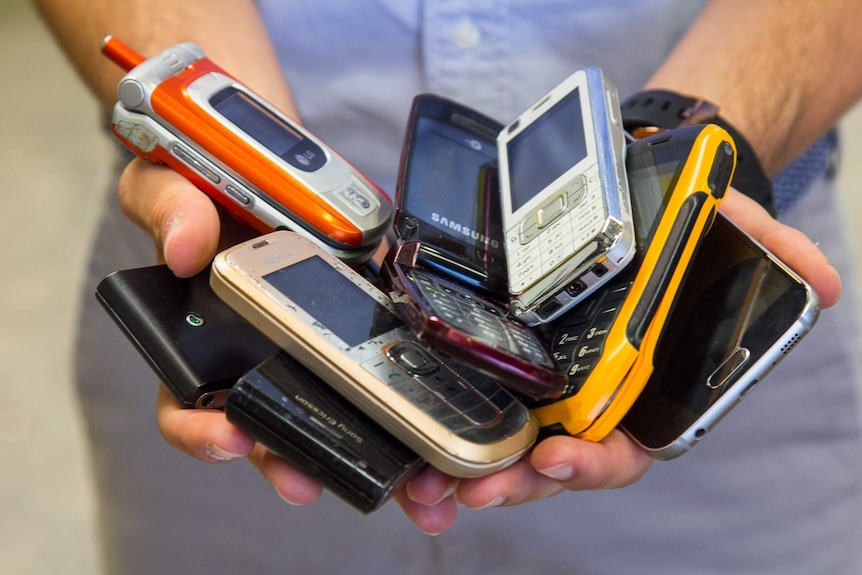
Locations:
(295, 415)
(196, 344)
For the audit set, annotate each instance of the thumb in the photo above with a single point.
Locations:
(790, 245)
(182, 219)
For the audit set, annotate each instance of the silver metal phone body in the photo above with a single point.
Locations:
(574, 232)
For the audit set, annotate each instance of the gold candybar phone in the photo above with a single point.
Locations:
(345, 330)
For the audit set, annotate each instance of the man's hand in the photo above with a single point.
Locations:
(182, 220)
(555, 465)
(187, 230)
(790, 245)
(560, 464)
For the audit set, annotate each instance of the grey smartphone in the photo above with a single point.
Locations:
(739, 312)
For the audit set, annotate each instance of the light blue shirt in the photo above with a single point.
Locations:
(354, 67)
(775, 490)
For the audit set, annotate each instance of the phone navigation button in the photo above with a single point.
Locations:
(413, 359)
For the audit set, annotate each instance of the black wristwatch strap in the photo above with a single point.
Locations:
(657, 110)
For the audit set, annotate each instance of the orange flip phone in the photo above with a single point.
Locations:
(180, 109)
(607, 342)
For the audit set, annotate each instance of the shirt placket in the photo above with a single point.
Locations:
(465, 52)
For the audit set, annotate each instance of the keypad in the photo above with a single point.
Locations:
(579, 336)
(539, 246)
(483, 322)
(456, 396)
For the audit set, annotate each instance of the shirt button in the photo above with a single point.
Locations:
(465, 34)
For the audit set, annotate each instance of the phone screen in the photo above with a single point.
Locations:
(270, 131)
(546, 149)
(338, 304)
(733, 306)
(653, 173)
(447, 186)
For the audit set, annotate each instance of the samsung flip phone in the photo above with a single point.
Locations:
(446, 271)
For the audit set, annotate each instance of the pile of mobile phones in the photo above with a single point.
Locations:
(547, 276)
(210, 357)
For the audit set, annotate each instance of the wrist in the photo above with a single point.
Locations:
(652, 111)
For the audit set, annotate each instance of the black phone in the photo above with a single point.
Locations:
(209, 356)
(447, 195)
(196, 344)
(738, 313)
(297, 416)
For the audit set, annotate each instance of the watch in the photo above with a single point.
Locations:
(654, 111)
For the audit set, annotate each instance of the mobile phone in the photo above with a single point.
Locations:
(442, 273)
(567, 217)
(739, 312)
(677, 180)
(461, 422)
(447, 196)
(196, 344)
(180, 109)
(295, 415)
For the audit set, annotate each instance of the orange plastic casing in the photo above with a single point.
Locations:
(624, 368)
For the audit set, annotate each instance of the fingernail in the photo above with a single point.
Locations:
(496, 502)
(430, 533)
(560, 472)
(217, 454)
(449, 491)
(171, 227)
(285, 498)
(413, 496)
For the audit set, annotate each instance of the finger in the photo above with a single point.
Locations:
(517, 484)
(430, 519)
(580, 465)
(431, 486)
(202, 433)
(182, 219)
(790, 245)
(293, 486)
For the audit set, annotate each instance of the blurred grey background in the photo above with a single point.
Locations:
(54, 157)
